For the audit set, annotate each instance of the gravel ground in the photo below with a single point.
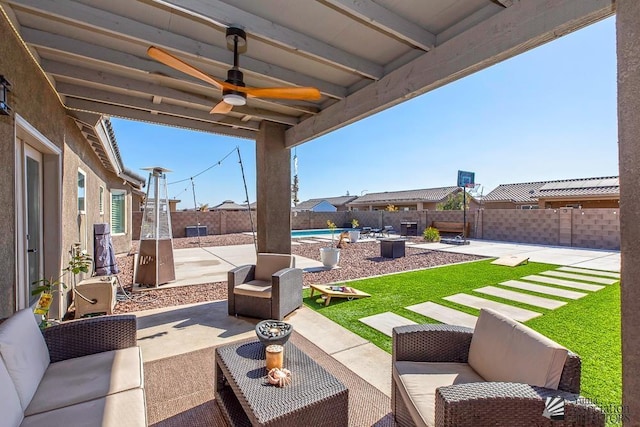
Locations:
(356, 261)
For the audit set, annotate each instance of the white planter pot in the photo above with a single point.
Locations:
(329, 257)
(354, 235)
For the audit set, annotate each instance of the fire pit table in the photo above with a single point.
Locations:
(246, 398)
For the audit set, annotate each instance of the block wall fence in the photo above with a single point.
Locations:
(584, 228)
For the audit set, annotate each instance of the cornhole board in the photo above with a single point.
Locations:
(511, 260)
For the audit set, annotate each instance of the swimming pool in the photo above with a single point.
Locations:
(323, 232)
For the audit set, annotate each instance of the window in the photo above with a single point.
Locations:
(118, 211)
(101, 200)
(82, 182)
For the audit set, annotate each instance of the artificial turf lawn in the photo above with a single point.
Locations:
(589, 326)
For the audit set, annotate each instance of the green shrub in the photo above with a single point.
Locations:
(431, 234)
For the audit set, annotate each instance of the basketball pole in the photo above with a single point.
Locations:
(464, 213)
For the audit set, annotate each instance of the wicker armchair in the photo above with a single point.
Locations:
(476, 402)
(270, 289)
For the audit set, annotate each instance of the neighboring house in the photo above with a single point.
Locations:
(229, 205)
(328, 204)
(603, 192)
(407, 199)
(61, 172)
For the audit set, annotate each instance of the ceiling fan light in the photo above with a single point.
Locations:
(234, 99)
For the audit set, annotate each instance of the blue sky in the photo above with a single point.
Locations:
(547, 114)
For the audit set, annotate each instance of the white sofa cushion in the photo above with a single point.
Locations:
(267, 264)
(86, 378)
(24, 352)
(418, 381)
(10, 408)
(505, 350)
(125, 409)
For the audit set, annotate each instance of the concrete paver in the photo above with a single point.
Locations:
(516, 313)
(385, 322)
(541, 289)
(563, 282)
(589, 271)
(536, 301)
(583, 277)
(442, 314)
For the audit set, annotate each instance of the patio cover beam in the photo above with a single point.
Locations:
(106, 97)
(163, 119)
(225, 15)
(384, 20)
(140, 33)
(516, 29)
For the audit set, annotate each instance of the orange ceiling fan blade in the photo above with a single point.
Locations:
(310, 93)
(221, 108)
(174, 62)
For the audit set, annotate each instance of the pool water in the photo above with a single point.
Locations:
(317, 232)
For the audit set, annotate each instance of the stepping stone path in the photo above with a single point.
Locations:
(565, 283)
(564, 275)
(385, 322)
(592, 272)
(516, 313)
(449, 316)
(549, 290)
(541, 302)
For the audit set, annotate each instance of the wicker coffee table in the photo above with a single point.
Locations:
(314, 397)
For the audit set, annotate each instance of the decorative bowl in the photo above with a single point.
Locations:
(273, 332)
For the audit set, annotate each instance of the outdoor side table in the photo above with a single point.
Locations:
(314, 397)
(392, 248)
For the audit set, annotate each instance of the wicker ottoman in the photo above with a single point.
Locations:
(314, 397)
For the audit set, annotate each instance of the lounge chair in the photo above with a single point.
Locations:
(500, 373)
(365, 231)
(384, 231)
(270, 289)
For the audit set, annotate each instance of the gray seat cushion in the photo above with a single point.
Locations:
(82, 379)
(125, 409)
(418, 381)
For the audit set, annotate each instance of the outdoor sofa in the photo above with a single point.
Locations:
(499, 374)
(80, 373)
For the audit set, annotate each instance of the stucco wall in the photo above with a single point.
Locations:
(34, 100)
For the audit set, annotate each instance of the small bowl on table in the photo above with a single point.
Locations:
(271, 332)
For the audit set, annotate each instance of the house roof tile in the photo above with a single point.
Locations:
(532, 191)
(422, 195)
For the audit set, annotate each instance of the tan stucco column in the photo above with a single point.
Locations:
(273, 164)
(628, 45)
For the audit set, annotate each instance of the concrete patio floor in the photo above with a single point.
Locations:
(174, 330)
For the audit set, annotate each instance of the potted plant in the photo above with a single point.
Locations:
(78, 263)
(354, 233)
(330, 255)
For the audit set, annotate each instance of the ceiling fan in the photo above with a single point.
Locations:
(234, 91)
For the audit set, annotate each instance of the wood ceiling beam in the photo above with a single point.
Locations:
(387, 21)
(106, 97)
(145, 116)
(104, 78)
(514, 30)
(123, 27)
(225, 15)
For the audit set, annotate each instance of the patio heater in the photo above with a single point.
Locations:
(155, 256)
